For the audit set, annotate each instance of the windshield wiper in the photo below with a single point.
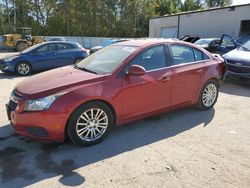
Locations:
(87, 70)
(244, 48)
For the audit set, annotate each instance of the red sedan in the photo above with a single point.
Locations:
(116, 85)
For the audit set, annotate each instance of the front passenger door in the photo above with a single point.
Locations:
(44, 57)
(152, 91)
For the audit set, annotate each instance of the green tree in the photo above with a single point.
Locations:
(189, 5)
(218, 3)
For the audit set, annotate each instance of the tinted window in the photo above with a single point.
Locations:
(46, 48)
(182, 54)
(214, 42)
(199, 56)
(65, 46)
(152, 58)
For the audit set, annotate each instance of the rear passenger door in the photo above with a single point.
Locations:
(65, 54)
(188, 67)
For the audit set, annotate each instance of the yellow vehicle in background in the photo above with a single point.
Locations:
(22, 39)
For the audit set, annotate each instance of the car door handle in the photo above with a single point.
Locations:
(199, 71)
(165, 79)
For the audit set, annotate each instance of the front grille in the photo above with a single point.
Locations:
(233, 67)
(1, 64)
(13, 102)
(12, 105)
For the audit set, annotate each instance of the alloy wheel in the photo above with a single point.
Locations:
(92, 124)
(209, 95)
(23, 68)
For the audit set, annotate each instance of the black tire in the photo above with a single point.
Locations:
(201, 104)
(21, 67)
(73, 127)
(21, 46)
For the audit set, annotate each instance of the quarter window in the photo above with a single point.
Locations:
(152, 58)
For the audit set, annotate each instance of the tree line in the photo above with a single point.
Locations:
(105, 18)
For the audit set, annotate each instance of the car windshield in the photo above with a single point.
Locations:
(106, 60)
(245, 47)
(203, 41)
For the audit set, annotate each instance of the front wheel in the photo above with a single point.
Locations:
(23, 69)
(90, 123)
(208, 95)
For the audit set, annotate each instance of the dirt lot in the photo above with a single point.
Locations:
(184, 148)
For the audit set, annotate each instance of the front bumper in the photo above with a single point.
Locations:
(6, 67)
(238, 76)
(43, 126)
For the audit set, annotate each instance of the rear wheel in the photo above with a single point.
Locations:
(90, 123)
(208, 95)
(21, 46)
(23, 69)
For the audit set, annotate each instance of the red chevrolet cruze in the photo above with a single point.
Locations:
(118, 84)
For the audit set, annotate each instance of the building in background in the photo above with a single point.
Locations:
(232, 20)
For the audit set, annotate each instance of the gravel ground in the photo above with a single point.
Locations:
(184, 148)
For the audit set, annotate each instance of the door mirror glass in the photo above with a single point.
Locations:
(136, 70)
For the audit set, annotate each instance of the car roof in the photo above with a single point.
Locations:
(145, 42)
(209, 39)
(66, 42)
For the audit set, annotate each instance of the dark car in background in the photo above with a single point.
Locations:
(238, 62)
(188, 38)
(43, 56)
(105, 44)
(208, 43)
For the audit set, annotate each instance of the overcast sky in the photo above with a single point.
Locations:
(237, 2)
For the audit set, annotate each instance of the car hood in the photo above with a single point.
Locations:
(238, 55)
(16, 55)
(203, 45)
(55, 81)
(97, 48)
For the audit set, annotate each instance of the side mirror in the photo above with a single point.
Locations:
(136, 70)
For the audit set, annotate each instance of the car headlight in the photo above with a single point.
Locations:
(41, 104)
(9, 58)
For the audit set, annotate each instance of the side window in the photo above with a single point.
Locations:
(182, 54)
(152, 58)
(52, 47)
(61, 47)
(199, 56)
(64, 46)
(42, 49)
(227, 41)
